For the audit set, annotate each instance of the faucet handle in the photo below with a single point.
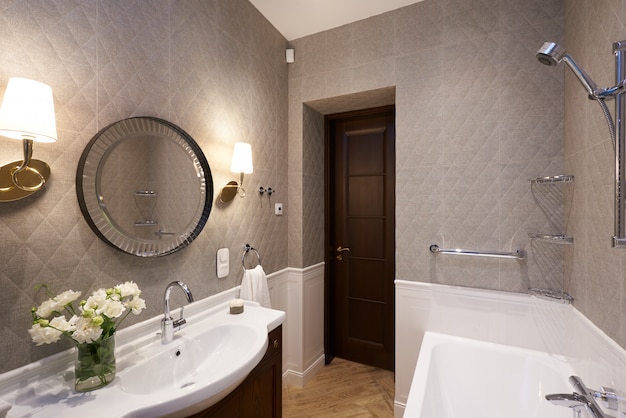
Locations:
(608, 396)
(181, 321)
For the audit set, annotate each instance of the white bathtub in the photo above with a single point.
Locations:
(459, 377)
(519, 337)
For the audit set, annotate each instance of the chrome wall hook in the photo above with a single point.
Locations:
(262, 191)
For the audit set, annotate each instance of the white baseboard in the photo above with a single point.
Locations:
(398, 409)
(295, 378)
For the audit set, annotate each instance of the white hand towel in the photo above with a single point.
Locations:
(254, 287)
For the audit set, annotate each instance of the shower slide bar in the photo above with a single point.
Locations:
(518, 254)
(619, 239)
(552, 54)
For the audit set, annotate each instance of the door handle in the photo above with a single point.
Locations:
(340, 249)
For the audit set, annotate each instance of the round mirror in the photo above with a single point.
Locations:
(144, 186)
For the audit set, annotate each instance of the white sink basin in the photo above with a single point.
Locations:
(195, 360)
(205, 362)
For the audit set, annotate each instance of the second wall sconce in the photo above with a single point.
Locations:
(242, 164)
(26, 114)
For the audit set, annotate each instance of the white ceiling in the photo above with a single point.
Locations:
(297, 18)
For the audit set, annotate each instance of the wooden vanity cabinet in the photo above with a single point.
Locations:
(260, 395)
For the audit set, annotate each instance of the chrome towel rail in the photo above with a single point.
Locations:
(518, 254)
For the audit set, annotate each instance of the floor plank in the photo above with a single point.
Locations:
(342, 389)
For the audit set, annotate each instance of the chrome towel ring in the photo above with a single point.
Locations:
(246, 249)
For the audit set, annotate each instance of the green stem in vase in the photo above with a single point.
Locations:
(95, 364)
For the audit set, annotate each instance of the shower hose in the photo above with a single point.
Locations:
(609, 119)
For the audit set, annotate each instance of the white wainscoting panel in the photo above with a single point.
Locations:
(300, 293)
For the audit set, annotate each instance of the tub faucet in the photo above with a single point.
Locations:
(585, 400)
(169, 325)
(574, 401)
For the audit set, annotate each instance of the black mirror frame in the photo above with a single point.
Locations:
(90, 204)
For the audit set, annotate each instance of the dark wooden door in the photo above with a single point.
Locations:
(361, 236)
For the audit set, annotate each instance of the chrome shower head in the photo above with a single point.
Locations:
(550, 54)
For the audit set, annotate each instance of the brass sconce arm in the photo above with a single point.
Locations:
(25, 166)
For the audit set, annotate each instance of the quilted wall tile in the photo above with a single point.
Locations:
(470, 98)
(214, 68)
(594, 270)
(476, 117)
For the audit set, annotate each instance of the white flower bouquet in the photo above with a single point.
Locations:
(97, 317)
(91, 326)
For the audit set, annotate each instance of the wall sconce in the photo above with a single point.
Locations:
(242, 164)
(26, 114)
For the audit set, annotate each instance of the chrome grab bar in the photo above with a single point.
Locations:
(518, 254)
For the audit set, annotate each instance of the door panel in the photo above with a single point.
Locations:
(364, 238)
(373, 331)
(368, 287)
(364, 196)
(361, 211)
(366, 148)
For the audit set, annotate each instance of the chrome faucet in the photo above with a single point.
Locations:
(574, 401)
(169, 325)
(586, 399)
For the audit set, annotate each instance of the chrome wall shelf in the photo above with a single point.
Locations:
(552, 238)
(549, 294)
(555, 239)
(552, 179)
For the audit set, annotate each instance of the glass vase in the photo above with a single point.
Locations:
(95, 364)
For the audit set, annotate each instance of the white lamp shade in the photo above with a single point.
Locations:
(242, 158)
(27, 111)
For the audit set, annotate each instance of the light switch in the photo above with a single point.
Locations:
(278, 209)
(223, 258)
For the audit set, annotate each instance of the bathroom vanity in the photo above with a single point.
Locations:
(260, 395)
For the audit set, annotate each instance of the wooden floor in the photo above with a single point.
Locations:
(342, 389)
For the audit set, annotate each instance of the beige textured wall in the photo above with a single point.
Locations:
(214, 67)
(476, 117)
(595, 272)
